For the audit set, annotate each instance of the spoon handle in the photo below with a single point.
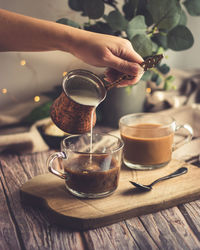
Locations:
(178, 172)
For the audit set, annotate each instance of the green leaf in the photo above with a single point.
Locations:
(94, 9)
(141, 6)
(193, 7)
(160, 50)
(166, 13)
(116, 20)
(156, 78)
(76, 5)
(180, 38)
(170, 78)
(130, 9)
(148, 17)
(68, 22)
(146, 76)
(154, 47)
(168, 85)
(183, 18)
(142, 44)
(160, 39)
(164, 68)
(136, 26)
(38, 113)
(142, 10)
(99, 27)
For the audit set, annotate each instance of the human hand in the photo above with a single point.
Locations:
(32, 34)
(115, 53)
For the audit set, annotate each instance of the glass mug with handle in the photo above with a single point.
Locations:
(91, 164)
(149, 139)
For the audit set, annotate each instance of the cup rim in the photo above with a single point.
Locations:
(121, 143)
(121, 120)
(83, 72)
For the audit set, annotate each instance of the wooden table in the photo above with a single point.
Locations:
(24, 227)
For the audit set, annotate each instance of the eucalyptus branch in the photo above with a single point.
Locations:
(132, 24)
(151, 30)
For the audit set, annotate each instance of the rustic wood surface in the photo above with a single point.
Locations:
(49, 192)
(24, 227)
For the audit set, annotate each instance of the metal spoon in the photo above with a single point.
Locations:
(178, 172)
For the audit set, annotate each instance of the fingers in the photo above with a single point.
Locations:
(124, 64)
(125, 50)
(124, 67)
(112, 75)
(129, 54)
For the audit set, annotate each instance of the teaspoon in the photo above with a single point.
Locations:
(178, 172)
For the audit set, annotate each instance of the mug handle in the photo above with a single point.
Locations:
(50, 160)
(188, 138)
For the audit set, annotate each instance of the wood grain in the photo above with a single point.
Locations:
(49, 191)
(31, 227)
(25, 227)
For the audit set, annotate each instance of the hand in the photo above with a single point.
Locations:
(31, 34)
(115, 53)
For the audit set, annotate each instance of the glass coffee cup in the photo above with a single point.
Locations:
(91, 164)
(149, 139)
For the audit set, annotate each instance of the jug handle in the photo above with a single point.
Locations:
(108, 85)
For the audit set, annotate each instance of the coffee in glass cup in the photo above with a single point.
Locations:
(91, 164)
(149, 139)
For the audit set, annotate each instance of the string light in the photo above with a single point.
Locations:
(64, 73)
(148, 90)
(4, 91)
(9, 95)
(23, 62)
(36, 98)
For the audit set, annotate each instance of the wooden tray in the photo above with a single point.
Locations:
(49, 192)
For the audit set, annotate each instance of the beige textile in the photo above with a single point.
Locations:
(23, 140)
(32, 141)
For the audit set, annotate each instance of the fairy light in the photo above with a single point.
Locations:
(4, 91)
(36, 98)
(23, 62)
(64, 73)
(148, 90)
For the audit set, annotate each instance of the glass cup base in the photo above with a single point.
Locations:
(89, 195)
(143, 167)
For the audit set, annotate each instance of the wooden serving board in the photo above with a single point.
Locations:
(49, 192)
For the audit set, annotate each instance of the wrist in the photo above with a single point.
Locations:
(71, 39)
